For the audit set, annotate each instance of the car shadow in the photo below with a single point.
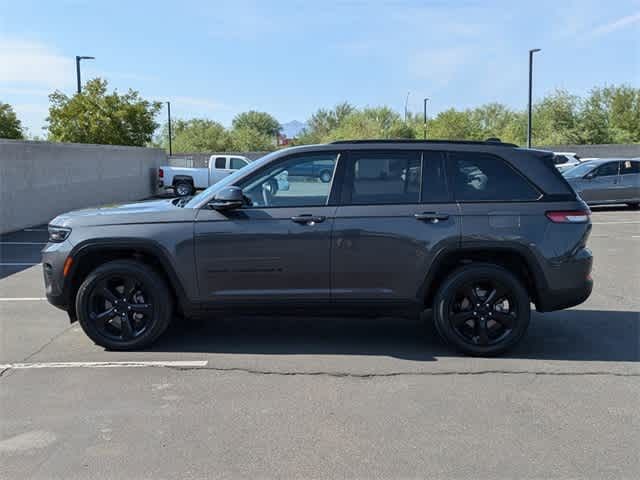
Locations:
(613, 208)
(576, 335)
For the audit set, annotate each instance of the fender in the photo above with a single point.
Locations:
(146, 246)
(539, 280)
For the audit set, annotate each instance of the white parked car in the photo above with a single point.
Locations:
(185, 181)
(566, 160)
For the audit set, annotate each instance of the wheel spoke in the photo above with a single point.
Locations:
(505, 319)
(461, 318)
(104, 316)
(125, 327)
(494, 296)
(129, 288)
(108, 294)
(470, 293)
(481, 331)
(141, 308)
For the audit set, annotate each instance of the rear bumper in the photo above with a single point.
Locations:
(569, 283)
(560, 299)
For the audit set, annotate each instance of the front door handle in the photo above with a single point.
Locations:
(431, 217)
(308, 219)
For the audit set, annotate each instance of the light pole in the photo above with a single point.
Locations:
(531, 52)
(425, 117)
(78, 58)
(169, 123)
(406, 103)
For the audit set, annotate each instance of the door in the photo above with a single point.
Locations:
(276, 248)
(395, 216)
(630, 180)
(604, 186)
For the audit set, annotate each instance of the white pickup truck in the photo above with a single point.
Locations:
(185, 181)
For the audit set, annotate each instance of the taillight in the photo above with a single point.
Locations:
(570, 216)
(160, 173)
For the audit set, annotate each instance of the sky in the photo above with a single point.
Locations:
(214, 59)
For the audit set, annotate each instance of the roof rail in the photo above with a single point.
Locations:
(490, 141)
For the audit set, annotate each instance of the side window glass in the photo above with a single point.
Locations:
(629, 167)
(483, 177)
(379, 178)
(607, 169)
(304, 180)
(237, 163)
(221, 162)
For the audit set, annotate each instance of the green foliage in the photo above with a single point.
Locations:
(195, 135)
(248, 139)
(10, 126)
(260, 122)
(94, 116)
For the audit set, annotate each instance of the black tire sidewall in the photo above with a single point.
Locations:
(469, 273)
(151, 281)
(184, 183)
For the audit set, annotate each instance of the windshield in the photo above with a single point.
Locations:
(230, 180)
(579, 170)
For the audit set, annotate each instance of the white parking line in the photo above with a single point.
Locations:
(22, 299)
(23, 243)
(131, 364)
(613, 223)
(17, 264)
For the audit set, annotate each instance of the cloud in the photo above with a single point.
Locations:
(32, 63)
(616, 25)
(439, 66)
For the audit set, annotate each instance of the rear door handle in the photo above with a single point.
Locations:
(431, 217)
(308, 219)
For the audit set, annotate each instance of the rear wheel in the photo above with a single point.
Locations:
(183, 189)
(482, 310)
(124, 305)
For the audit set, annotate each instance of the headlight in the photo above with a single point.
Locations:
(58, 234)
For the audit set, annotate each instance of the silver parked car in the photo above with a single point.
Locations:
(607, 181)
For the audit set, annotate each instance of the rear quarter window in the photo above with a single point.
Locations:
(481, 177)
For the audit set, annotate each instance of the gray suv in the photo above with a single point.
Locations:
(473, 231)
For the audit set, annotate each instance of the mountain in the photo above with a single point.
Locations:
(292, 129)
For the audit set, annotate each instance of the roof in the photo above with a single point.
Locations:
(491, 142)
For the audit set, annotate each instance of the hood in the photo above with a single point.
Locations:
(146, 211)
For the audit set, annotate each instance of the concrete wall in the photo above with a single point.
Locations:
(599, 151)
(39, 180)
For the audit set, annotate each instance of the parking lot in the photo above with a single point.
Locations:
(310, 398)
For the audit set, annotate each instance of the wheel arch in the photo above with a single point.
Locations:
(90, 254)
(515, 259)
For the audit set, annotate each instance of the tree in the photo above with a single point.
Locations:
(94, 116)
(10, 126)
(556, 119)
(454, 125)
(323, 122)
(195, 135)
(379, 122)
(247, 139)
(260, 122)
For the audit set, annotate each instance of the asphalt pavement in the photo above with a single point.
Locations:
(285, 397)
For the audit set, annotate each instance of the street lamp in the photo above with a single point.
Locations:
(425, 117)
(406, 106)
(78, 58)
(169, 123)
(531, 52)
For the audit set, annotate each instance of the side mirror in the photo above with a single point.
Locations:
(590, 175)
(227, 199)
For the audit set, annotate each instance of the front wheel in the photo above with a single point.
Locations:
(124, 305)
(482, 310)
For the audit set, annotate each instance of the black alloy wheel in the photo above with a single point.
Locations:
(482, 309)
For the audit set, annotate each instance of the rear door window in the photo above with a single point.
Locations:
(383, 178)
(629, 167)
(481, 177)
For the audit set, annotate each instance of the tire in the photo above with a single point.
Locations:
(183, 189)
(493, 325)
(144, 302)
(325, 176)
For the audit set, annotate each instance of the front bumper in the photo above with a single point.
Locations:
(53, 258)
